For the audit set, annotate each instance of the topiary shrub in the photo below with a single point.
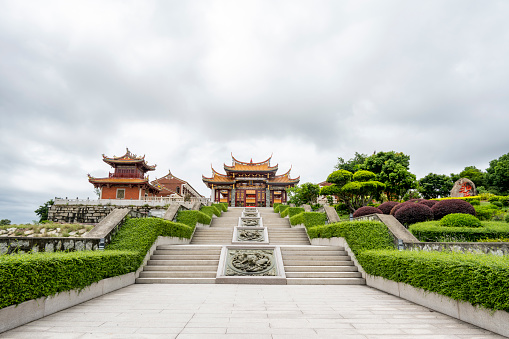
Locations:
(429, 203)
(448, 206)
(506, 218)
(276, 207)
(387, 206)
(397, 207)
(365, 210)
(282, 209)
(460, 220)
(412, 213)
(191, 218)
(294, 211)
(210, 211)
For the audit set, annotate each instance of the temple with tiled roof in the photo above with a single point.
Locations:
(128, 181)
(170, 185)
(250, 184)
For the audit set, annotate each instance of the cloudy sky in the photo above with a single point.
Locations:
(187, 83)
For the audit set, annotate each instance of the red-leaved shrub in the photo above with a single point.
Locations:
(448, 206)
(365, 210)
(397, 207)
(412, 213)
(429, 203)
(387, 206)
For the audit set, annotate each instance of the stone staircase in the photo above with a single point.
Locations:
(198, 261)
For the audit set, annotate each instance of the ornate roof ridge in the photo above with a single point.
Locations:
(129, 156)
(234, 161)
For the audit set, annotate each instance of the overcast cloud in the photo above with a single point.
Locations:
(186, 83)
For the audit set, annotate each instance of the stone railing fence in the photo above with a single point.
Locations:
(146, 202)
(109, 220)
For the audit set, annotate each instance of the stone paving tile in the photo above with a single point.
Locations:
(248, 311)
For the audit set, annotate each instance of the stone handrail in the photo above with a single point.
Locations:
(156, 201)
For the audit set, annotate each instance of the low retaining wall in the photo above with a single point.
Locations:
(90, 214)
(495, 248)
(10, 245)
(495, 321)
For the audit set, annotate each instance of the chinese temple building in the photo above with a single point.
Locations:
(128, 181)
(170, 185)
(249, 184)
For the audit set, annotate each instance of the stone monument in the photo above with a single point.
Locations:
(463, 188)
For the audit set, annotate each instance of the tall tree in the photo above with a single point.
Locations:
(42, 211)
(304, 194)
(477, 176)
(435, 186)
(498, 174)
(391, 168)
(353, 164)
(354, 190)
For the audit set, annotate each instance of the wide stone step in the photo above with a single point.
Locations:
(180, 268)
(184, 256)
(318, 257)
(316, 263)
(191, 262)
(185, 247)
(312, 248)
(187, 251)
(323, 274)
(325, 281)
(175, 280)
(315, 268)
(315, 253)
(180, 274)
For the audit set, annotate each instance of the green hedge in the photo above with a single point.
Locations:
(282, 209)
(476, 278)
(191, 218)
(276, 207)
(360, 235)
(475, 198)
(431, 231)
(294, 211)
(222, 206)
(309, 219)
(210, 211)
(503, 199)
(488, 212)
(29, 276)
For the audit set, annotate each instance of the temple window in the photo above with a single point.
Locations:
(120, 193)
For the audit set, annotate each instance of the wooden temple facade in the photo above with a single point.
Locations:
(249, 184)
(129, 181)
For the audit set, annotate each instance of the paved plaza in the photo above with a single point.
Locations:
(248, 311)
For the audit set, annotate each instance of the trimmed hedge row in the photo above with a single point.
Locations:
(360, 235)
(282, 209)
(478, 279)
(276, 207)
(29, 276)
(221, 206)
(191, 218)
(294, 211)
(210, 211)
(431, 231)
(309, 219)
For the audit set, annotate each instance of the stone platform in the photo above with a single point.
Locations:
(248, 311)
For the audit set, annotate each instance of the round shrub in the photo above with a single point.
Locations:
(412, 213)
(365, 210)
(397, 207)
(460, 220)
(387, 206)
(429, 203)
(448, 206)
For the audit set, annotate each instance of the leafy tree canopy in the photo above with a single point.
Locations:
(435, 186)
(498, 174)
(354, 190)
(353, 164)
(476, 175)
(5, 222)
(304, 194)
(42, 211)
